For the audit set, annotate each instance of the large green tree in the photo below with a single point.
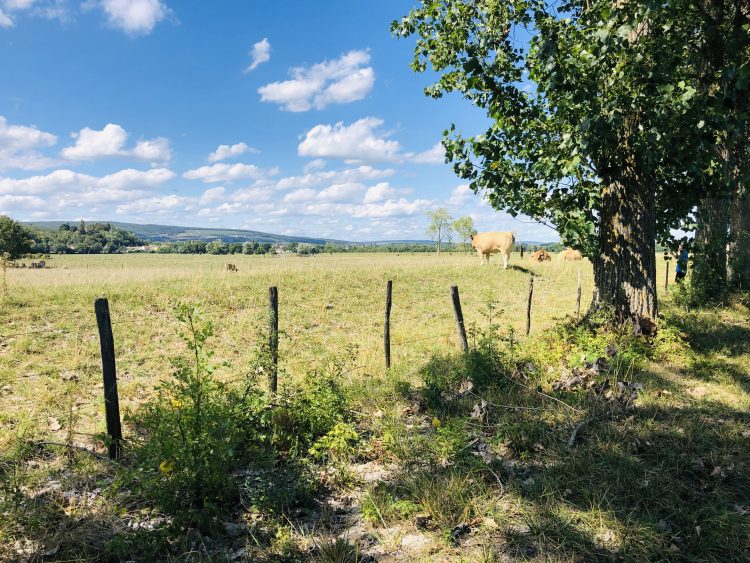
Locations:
(15, 239)
(593, 121)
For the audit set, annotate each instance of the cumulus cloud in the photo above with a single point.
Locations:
(155, 205)
(339, 81)
(393, 208)
(135, 17)
(19, 146)
(223, 172)
(224, 152)
(379, 192)
(68, 181)
(5, 20)
(297, 196)
(212, 194)
(362, 140)
(341, 192)
(435, 155)
(461, 194)
(319, 177)
(110, 141)
(261, 53)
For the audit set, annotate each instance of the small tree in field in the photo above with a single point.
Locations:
(464, 227)
(440, 229)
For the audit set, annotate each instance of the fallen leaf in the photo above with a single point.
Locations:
(54, 424)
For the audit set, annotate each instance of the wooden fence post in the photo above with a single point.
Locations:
(578, 298)
(387, 332)
(521, 251)
(459, 318)
(273, 335)
(666, 275)
(528, 306)
(109, 375)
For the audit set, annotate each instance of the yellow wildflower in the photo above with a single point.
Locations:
(166, 467)
(436, 422)
(176, 404)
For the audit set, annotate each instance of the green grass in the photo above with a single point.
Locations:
(667, 480)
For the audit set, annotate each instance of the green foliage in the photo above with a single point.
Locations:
(96, 238)
(15, 239)
(440, 229)
(195, 431)
(464, 227)
(336, 445)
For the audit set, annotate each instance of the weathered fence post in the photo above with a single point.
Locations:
(528, 306)
(387, 331)
(459, 318)
(273, 335)
(578, 298)
(521, 251)
(666, 275)
(109, 374)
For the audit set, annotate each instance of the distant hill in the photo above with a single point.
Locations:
(169, 233)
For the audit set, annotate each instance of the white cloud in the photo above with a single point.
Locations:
(311, 179)
(358, 141)
(379, 192)
(155, 205)
(224, 152)
(461, 194)
(338, 81)
(435, 155)
(261, 54)
(135, 16)
(110, 141)
(19, 146)
(18, 4)
(212, 194)
(223, 172)
(304, 194)
(5, 20)
(341, 192)
(62, 182)
(313, 165)
(393, 208)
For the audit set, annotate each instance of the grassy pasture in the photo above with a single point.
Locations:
(667, 480)
(49, 356)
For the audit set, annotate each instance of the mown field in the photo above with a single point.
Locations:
(576, 443)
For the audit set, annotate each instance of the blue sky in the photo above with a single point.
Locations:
(290, 117)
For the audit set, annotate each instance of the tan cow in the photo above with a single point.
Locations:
(540, 255)
(570, 254)
(493, 242)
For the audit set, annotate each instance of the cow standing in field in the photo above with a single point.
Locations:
(230, 267)
(570, 254)
(493, 242)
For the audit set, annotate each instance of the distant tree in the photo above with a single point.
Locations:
(15, 239)
(292, 247)
(217, 247)
(464, 227)
(440, 227)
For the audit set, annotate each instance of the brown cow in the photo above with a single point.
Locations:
(540, 255)
(570, 254)
(493, 242)
(230, 267)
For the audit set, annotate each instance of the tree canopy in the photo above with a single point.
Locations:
(440, 229)
(15, 239)
(595, 120)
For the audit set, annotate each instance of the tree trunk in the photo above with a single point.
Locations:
(625, 268)
(709, 278)
(739, 245)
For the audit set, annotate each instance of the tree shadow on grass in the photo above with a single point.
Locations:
(664, 481)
